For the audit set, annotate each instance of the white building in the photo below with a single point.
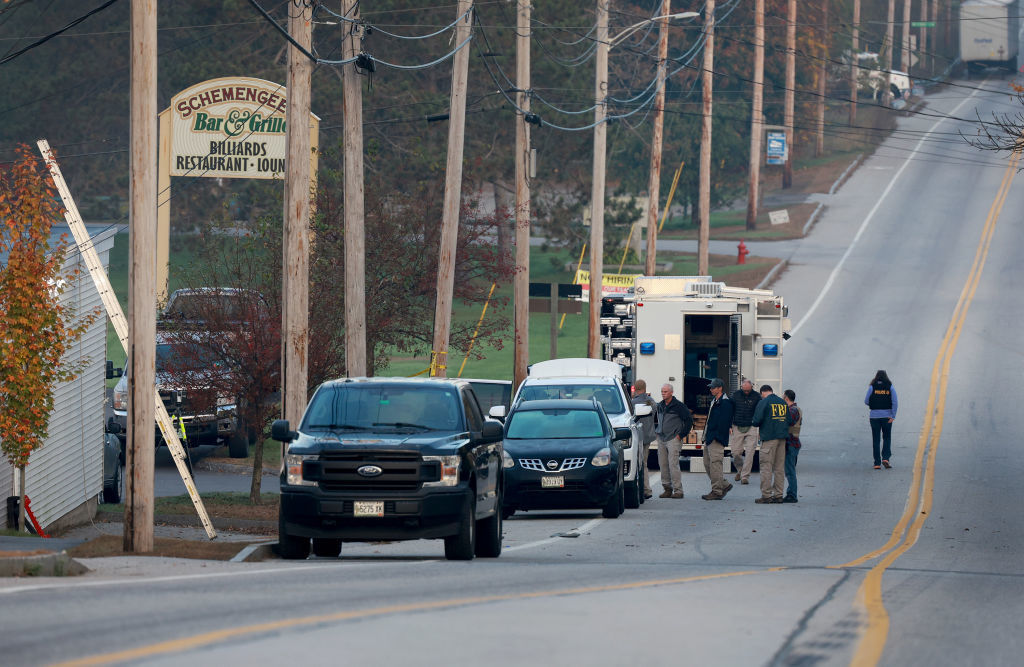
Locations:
(64, 478)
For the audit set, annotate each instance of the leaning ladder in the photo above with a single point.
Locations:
(117, 318)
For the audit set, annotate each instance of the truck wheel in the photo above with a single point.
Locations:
(488, 541)
(462, 545)
(615, 504)
(326, 547)
(112, 489)
(290, 547)
(640, 483)
(633, 493)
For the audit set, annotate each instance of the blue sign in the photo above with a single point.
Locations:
(775, 148)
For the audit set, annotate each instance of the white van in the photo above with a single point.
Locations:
(585, 379)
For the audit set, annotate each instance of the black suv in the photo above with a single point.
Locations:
(391, 459)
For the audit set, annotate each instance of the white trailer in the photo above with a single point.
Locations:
(689, 330)
(989, 33)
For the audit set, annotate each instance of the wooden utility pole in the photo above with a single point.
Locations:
(522, 165)
(905, 55)
(704, 199)
(756, 117)
(887, 54)
(139, 461)
(295, 276)
(355, 234)
(819, 140)
(787, 168)
(597, 199)
(654, 180)
(933, 45)
(452, 193)
(854, 69)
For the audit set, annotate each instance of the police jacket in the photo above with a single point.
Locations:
(744, 406)
(770, 418)
(719, 421)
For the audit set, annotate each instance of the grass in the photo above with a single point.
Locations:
(271, 456)
(113, 545)
(218, 504)
(8, 532)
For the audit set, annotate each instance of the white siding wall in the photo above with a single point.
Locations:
(68, 470)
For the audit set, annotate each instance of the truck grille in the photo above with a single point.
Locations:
(401, 471)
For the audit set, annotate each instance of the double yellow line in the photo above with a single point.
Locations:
(919, 499)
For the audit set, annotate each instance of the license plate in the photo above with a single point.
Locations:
(552, 482)
(369, 508)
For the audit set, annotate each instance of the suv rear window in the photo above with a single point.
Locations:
(608, 396)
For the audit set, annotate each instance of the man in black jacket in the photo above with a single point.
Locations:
(744, 436)
(716, 435)
(674, 424)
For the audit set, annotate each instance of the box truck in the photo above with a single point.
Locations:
(989, 33)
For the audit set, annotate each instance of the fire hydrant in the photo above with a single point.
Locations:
(741, 256)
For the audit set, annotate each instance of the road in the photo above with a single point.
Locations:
(918, 565)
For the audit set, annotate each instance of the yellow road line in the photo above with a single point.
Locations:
(921, 495)
(205, 639)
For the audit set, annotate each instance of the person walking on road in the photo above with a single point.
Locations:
(770, 417)
(716, 435)
(641, 397)
(744, 435)
(795, 419)
(674, 424)
(881, 399)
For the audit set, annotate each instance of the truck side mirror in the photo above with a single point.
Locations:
(281, 431)
(642, 410)
(113, 372)
(492, 432)
(497, 411)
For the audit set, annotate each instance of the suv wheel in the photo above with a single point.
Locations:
(462, 545)
(290, 547)
(634, 492)
(326, 547)
(488, 534)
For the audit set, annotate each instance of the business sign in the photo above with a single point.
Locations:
(775, 147)
(230, 128)
(611, 283)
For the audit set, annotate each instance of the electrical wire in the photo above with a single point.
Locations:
(47, 38)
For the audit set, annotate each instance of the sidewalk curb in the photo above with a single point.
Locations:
(41, 565)
(255, 552)
(771, 274)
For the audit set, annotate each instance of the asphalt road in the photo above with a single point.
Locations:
(876, 285)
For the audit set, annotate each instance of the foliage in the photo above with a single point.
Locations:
(35, 327)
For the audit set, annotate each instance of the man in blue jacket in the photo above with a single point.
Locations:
(716, 437)
(771, 418)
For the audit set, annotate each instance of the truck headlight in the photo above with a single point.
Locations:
(602, 458)
(506, 460)
(293, 467)
(120, 400)
(449, 470)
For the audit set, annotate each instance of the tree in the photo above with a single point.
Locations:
(35, 327)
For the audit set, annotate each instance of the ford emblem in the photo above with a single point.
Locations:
(552, 464)
(369, 471)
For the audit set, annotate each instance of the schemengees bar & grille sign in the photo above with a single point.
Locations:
(230, 128)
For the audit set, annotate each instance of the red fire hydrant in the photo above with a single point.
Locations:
(741, 256)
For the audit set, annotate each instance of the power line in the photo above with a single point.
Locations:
(43, 40)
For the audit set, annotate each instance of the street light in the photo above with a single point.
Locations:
(600, 146)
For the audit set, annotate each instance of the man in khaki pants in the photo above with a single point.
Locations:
(771, 417)
(744, 435)
(674, 424)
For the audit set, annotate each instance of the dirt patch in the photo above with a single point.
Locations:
(24, 554)
(112, 545)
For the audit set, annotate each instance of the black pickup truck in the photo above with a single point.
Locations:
(391, 459)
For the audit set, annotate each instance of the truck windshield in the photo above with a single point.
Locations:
(606, 395)
(546, 424)
(375, 407)
(179, 357)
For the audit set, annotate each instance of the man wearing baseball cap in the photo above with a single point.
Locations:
(716, 437)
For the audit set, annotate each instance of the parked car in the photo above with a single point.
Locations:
(391, 459)
(112, 462)
(586, 379)
(563, 454)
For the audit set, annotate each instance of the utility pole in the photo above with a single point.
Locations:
(139, 461)
(887, 59)
(452, 193)
(905, 56)
(654, 181)
(787, 168)
(756, 117)
(522, 165)
(597, 203)
(355, 233)
(819, 142)
(295, 276)
(855, 62)
(933, 45)
(704, 198)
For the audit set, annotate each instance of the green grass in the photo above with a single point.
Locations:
(183, 504)
(271, 455)
(7, 532)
